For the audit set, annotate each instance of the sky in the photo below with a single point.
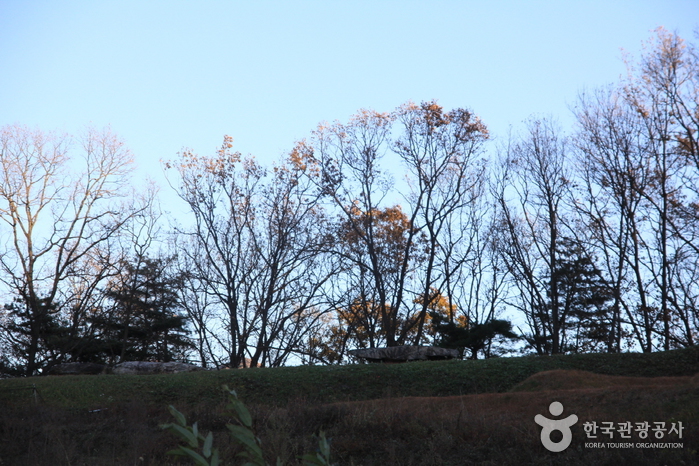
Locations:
(168, 75)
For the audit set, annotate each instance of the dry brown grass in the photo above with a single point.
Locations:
(499, 428)
(487, 429)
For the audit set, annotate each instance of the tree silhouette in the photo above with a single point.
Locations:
(145, 321)
(64, 204)
(477, 337)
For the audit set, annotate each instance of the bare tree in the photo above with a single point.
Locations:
(253, 254)
(663, 92)
(395, 255)
(532, 193)
(637, 143)
(59, 229)
(440, 150)
(614, 171)
(347, 161)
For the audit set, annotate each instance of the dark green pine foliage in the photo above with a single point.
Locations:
(145, 321)
(39, 339)
(584, 295)
(28, 332)
(475, 337)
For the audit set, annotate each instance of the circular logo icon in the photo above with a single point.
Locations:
(562, 425)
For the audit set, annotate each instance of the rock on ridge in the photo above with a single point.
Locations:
(145, 367)
(404, 353)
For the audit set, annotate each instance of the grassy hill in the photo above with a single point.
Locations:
(325, 384)
(415, 413)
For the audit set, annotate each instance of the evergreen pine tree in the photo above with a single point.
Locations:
(145, 321)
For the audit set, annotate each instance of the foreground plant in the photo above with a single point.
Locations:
(191, 435)
(200, 448)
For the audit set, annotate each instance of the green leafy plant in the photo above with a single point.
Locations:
(322, 456)
(242, 433)
(191, 435)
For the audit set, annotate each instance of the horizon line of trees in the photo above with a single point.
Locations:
(550, 243)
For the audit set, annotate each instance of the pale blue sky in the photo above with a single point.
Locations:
(173, 74)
